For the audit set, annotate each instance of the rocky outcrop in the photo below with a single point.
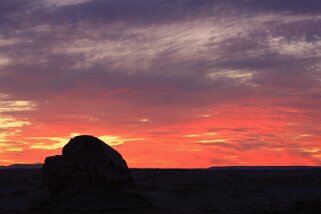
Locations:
(90, 175)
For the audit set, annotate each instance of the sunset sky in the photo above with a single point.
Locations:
(167, 83)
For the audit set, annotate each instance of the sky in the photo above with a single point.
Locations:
(167, 83)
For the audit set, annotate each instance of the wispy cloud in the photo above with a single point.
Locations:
(62, 3)
(163, 71)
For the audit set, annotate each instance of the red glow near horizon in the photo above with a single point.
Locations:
(167, 84)
(232, 134)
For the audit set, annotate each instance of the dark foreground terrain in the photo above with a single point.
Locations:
(271, 190)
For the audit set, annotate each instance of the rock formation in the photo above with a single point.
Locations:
(90, 175)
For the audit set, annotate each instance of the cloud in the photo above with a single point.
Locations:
(4, 61)
(210, 141)
(246, 70)
(62, 3)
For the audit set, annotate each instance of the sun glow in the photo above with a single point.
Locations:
(53, 143)
(212, 141)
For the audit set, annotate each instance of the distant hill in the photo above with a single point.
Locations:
(39, 165)
(22, 166)
(263, 167)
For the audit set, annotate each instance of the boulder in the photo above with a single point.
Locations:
(89, 176)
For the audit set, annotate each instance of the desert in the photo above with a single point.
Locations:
(92, 185)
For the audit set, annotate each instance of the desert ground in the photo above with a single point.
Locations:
(226, 190)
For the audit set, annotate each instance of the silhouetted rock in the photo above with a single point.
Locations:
(90, 175)
(86, 161)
